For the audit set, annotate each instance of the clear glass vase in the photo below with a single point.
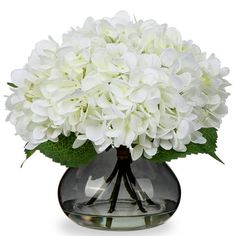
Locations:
(114, 193)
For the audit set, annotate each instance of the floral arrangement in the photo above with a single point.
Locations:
(117, 82)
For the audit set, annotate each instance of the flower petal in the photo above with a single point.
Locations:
(136, 152)
(78, 143)
(139, 95)
(40, 107)
(165, 144)
(94, 133)
(39, 132)
(168, 57)
(183, 129)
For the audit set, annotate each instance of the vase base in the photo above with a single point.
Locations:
(123, 218)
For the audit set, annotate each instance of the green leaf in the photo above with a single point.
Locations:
(192, 148)
(63, 153)
(28, 154)
(11, 85)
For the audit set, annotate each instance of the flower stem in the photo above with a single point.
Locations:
(132, 192)
(115, 191)
(104, 186)
(109, 222)
(136, 184)
(123, 171)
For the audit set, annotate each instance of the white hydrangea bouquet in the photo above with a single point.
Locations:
(117, 82)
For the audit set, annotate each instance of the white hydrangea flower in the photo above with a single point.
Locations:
(119, 82)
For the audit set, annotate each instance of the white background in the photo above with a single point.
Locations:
(28, 196)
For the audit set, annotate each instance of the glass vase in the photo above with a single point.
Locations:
(115, 193)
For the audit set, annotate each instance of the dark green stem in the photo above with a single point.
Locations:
(103, 187)
(128, 187)
(115, 192)
(109, 222)
(136, 184)
(123, 171)
(132, 192)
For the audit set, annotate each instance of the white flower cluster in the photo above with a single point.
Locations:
(119, 82)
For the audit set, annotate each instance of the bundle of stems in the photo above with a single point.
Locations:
(123, 171)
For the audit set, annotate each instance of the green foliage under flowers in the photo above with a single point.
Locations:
(192, 148)
(63, 153)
